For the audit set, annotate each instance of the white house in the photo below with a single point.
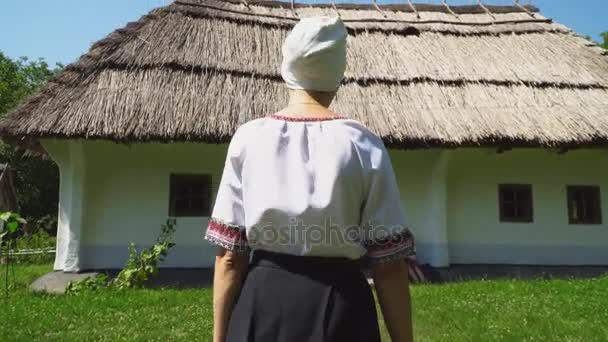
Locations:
(497, 120)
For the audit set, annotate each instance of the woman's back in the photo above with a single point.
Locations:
(316, 186)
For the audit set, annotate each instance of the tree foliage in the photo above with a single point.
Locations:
(604, 36)
(20, 78)
(36, 179)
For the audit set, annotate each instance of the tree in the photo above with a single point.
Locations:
(36, 179)
(20, 78)
(604, 36)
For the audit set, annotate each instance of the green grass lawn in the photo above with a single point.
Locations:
(539, 310)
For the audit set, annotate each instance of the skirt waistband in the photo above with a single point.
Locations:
(305, 264)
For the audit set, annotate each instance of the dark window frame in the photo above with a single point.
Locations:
(179, 180)
(527, 216)
(595, 218)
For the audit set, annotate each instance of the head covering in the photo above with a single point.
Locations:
(314, 54)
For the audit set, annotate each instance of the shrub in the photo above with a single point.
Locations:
(40, 239)
(138, 268)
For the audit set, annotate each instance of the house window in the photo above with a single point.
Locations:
(190, 195)
(515, 202)
(584, 205)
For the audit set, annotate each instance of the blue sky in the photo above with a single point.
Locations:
(62, 30)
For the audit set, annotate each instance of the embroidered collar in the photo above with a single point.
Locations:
(305, 118)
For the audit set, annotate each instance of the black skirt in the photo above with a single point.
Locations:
(289, 298)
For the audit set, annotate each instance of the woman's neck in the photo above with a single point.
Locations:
(308, 103)
(299, 96)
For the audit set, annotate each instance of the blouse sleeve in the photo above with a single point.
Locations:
(387, 236)
(226, 227)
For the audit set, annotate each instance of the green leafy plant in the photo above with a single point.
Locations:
(87, 284)
(38, 239)
(12, 224)
(138, 268)
(40, 242)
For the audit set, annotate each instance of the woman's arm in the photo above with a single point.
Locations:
(393, 289)
(230, 270)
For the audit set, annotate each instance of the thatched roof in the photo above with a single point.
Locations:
(423, 76)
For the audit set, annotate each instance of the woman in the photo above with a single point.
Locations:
(306, 198)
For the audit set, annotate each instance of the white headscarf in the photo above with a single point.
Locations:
(314, 54)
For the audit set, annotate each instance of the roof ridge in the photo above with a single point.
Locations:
(420, 7)
(290, 20)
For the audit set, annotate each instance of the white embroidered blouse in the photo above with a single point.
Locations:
(310, 186)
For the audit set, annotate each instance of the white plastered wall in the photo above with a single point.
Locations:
(113, 194)
(123, 197)
(421, 175)
(477, 236)
(70, 160)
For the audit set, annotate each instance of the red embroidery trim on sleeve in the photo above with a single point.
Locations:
(230, 237)
(394, 247)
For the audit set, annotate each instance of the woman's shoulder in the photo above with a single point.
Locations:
(247, 129)
(369, 146)
(251, 125)
(242, 136)
(361, 134)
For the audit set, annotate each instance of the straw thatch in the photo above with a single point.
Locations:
(433, 76)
